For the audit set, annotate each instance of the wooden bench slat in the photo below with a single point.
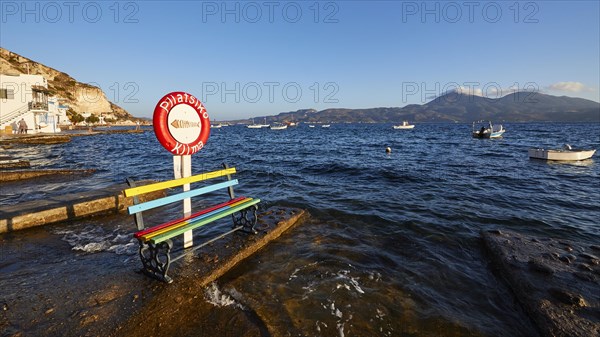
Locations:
(130, 192)
(196, 224)
(204, 211)
(177, 197)
(179, 224)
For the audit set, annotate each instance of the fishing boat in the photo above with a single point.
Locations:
(404, 126)
(485, 129)
(278, 126)
(257, 126)
(567, 153)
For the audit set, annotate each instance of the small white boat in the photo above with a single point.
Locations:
(257, 126)
(485, 129)
(215, 126)
(278, 126)
(325, 125)
(311, 126)
(404, 126)
(567, 153)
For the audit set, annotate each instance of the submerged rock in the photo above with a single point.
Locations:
(558, 289)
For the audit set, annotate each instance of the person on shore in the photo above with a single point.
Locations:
(22, 126)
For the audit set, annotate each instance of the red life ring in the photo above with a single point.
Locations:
(181, 123)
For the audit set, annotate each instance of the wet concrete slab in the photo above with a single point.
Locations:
(67, 207)
(47, 289)
(17, 175)
(556, 281)
(10, 163)
(35, 139)
(172, 309)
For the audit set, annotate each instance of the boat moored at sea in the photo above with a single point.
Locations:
(278, 126)
(404, 126)
(257, 126)
(485, 129)
(567, 153)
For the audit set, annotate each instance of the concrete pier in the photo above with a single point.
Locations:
(35, 139)
(556, 281)
(15, 175)
(66, 207)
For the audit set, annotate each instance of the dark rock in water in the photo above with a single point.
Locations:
(550, 256)
(556, 289)
(567, 258)
(567, 297)
(585, 276)
(584, 266)
(496, 231)
(592, 258)
(539, 266)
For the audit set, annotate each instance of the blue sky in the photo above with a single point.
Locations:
(246, 58)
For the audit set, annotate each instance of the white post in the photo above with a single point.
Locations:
(182, 167)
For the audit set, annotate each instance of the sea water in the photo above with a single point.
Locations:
(392, 246)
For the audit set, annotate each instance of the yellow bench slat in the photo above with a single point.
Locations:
(131, 192)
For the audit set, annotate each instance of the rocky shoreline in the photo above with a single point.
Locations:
(557, 282)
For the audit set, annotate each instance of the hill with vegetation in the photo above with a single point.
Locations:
(80, 97)
(458, 107)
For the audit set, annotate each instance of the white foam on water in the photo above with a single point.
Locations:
(319, 324)
(92, 247)
(92, 239)
(356, 286)
(293, 276)
(130, 248)
(340, 328)
(375, 276)
(352, 282)
(216, 297)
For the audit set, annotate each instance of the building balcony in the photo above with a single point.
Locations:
(39, 106)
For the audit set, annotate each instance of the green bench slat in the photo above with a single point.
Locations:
(202, 222)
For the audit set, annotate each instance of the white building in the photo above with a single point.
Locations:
(26, 97)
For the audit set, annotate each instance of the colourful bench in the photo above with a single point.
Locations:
(155, 243)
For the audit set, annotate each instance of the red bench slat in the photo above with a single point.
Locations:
(167, 224)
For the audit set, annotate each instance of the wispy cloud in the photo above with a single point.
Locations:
(569, 87)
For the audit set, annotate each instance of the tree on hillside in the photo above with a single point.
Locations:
(74, 117)
(92, 119)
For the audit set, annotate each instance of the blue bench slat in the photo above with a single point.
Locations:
(177, 197)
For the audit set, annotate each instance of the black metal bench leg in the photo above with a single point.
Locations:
(156, 259)
(246, 218)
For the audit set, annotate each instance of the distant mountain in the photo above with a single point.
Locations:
(458, 107)
(77, 95)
